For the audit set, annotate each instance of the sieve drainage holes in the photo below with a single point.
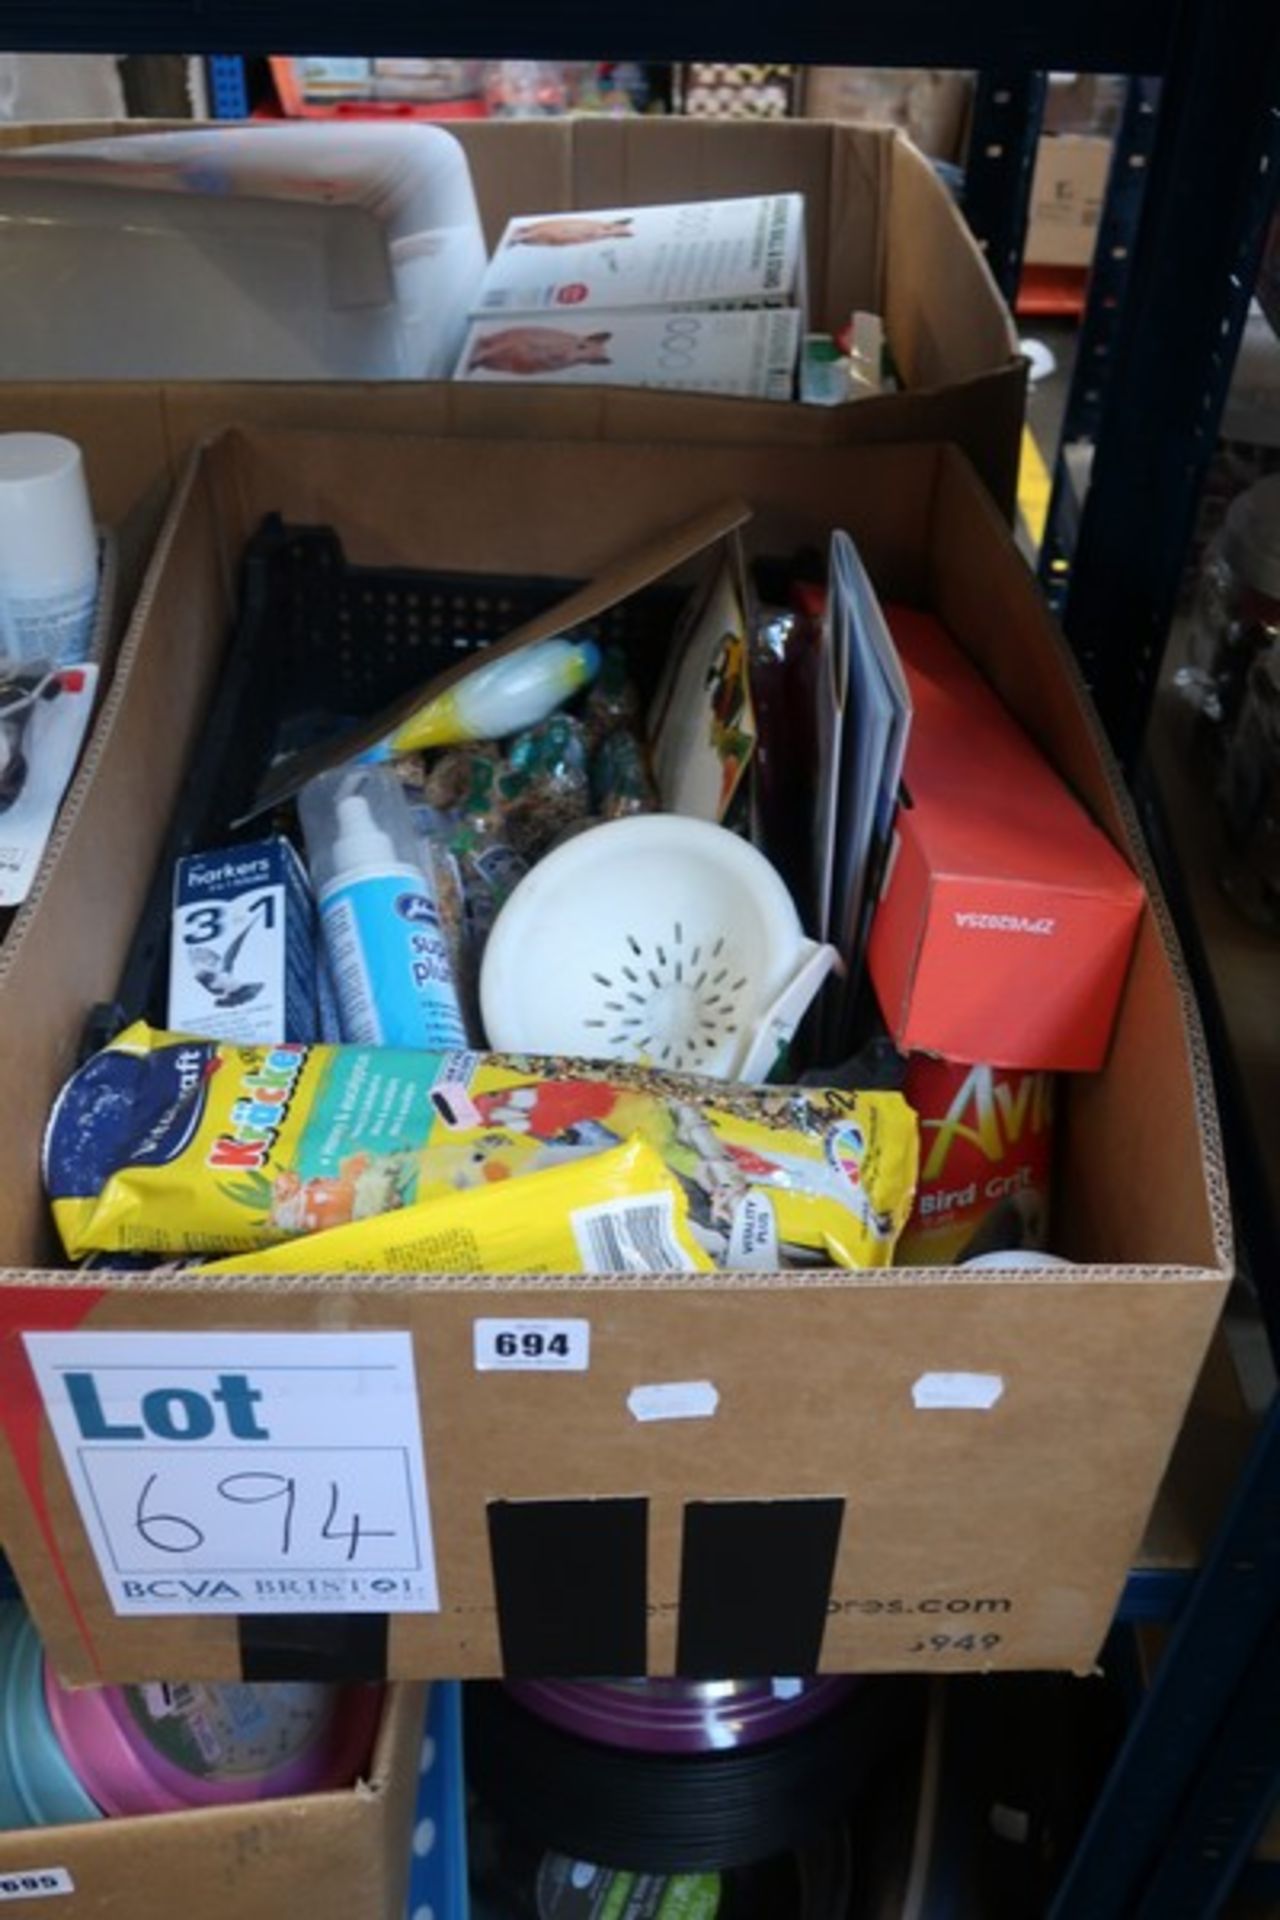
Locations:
(669, 1003)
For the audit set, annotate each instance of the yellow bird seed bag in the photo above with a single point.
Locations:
(162, 1144)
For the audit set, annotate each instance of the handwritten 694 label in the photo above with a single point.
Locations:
(245, 1473)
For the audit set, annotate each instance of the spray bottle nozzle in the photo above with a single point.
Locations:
(359, 841)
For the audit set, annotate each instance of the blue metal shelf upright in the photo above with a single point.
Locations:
(1187, 209)
(228, 86)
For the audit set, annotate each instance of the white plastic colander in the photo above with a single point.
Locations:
(656, 939)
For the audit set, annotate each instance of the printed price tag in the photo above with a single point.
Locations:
(245, 1472)
(532, 1346)
(36, 1883)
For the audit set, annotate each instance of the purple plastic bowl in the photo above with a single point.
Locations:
(680, 1716)
(226, 1744)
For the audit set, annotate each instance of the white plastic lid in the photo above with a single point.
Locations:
(47, 536)
(1251, 535)
(1017, 1260)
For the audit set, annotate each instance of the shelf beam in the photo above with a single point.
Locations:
(1229, 1618)
(1088, 36)
(1008, 109)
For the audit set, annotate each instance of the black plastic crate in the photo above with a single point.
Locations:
(319, 642)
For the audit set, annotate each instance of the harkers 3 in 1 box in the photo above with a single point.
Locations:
(242, 957)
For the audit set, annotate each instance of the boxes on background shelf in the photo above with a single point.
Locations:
(1083, 102)
(1067, 191)
(430, 81)
(330, 1855)
(318, 87)
(718, 90)
(883, 236)
(931, 106)
(557, 1530)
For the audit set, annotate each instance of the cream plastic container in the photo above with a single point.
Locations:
(48, 552)
(252, 253)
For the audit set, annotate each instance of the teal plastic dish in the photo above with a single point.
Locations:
(38, 1787)
(12, 1811)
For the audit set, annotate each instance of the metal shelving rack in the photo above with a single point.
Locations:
(1196, 173)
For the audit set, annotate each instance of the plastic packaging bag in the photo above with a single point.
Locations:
(169, 1145)
(544, 786)
(617, 1212)
(620, 782)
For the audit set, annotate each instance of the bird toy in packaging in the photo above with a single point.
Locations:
(171, 1145)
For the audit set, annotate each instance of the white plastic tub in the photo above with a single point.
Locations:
(282, 253)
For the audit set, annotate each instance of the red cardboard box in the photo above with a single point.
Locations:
(1006, 922)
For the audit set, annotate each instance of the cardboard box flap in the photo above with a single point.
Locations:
(334, 1855)
(942, 310)
(692, 160)
(851, 270)
(631, 573)
(531, 171)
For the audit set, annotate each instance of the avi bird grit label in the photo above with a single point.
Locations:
(986, 1155)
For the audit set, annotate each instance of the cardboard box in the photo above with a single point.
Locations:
(882, 234)
(1002, 934)
(569, 1535)
(704, 254)
(332, 1856)
(753, 354)
(668, 296)
(1067, 191)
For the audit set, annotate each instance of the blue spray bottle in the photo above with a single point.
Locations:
(390, 963)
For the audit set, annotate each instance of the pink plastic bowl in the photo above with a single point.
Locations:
(161, 1749)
